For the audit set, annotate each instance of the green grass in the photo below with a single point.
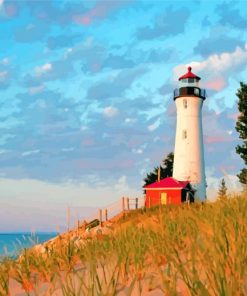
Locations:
(196, 249)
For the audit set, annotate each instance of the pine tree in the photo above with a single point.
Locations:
(165, 170)
(241, 127)
(222, 190)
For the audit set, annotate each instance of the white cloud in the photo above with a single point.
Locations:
(154, 126)
(83, 128)
(43, 69)
(67, 52)
(1, 3)
(121, 185)
(30, 152)
(4, 61)
(110, 112)
(137, 151)
(217, 68)
(130, 120)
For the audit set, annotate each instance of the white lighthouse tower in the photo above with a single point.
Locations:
(189, 151)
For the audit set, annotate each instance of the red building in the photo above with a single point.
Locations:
(168, 191)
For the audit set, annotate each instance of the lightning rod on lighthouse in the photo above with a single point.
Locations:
(189, 151)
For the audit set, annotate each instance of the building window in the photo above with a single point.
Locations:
(184, 134)
(185, 103)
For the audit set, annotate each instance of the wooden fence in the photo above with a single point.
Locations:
(124, 205)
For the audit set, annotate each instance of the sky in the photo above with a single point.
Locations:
(86, 95)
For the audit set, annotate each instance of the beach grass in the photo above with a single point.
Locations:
(196, 249)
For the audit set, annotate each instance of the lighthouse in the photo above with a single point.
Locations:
(189, 151)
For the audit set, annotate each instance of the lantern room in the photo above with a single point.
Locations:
(189, 79)
(189, 86)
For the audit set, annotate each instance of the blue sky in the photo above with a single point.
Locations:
(86, 99)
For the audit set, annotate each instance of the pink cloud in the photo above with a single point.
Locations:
(216, 139)
(217, 84)
(11, 10)
(88, 142)
(234, 116)
(227, 168)
(100, 10)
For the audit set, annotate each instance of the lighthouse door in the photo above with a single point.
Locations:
(163, 198)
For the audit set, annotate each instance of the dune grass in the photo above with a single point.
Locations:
(197, 249)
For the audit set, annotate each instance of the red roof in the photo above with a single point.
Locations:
(189, 74)
(167, 183)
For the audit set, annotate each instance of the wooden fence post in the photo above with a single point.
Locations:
(84, 225)
(78, 227)
(106, 215)
(137, 203)
(123, 204)
(68, 218)
(128, 204)
(100, 217)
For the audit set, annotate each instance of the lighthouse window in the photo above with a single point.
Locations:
(196, 91)
(184, 134)
(185, 103)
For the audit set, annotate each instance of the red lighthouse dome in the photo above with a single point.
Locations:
(189, 74)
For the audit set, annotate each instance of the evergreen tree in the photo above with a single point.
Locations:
(165, 170)
(241, 127)
(222, 190)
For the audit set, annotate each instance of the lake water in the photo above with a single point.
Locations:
(12, 243)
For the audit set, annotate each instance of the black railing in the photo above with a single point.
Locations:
(189, 91)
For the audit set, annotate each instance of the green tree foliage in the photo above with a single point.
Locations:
(222, 190)
(241, 127)
(166, 170)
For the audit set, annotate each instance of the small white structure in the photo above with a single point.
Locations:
(189, 151)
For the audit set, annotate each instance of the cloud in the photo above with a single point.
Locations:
(50, 13)
(110, 112)
(154, 126)
(100, 11)
(137, 151)
(36, 89)
(7, 73)
(216, 84)
(56, 70)
(217, 139)
(115, 86)
(130, 120)
(43, 69)
(30, 152)
(60, 41)
(229, 15)
(32, 32)
(118, 62)
(5, 61)
(217, 43)
(46, 203)
(3, 75)
(165, 25)
(217, 69)
(8, 9)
